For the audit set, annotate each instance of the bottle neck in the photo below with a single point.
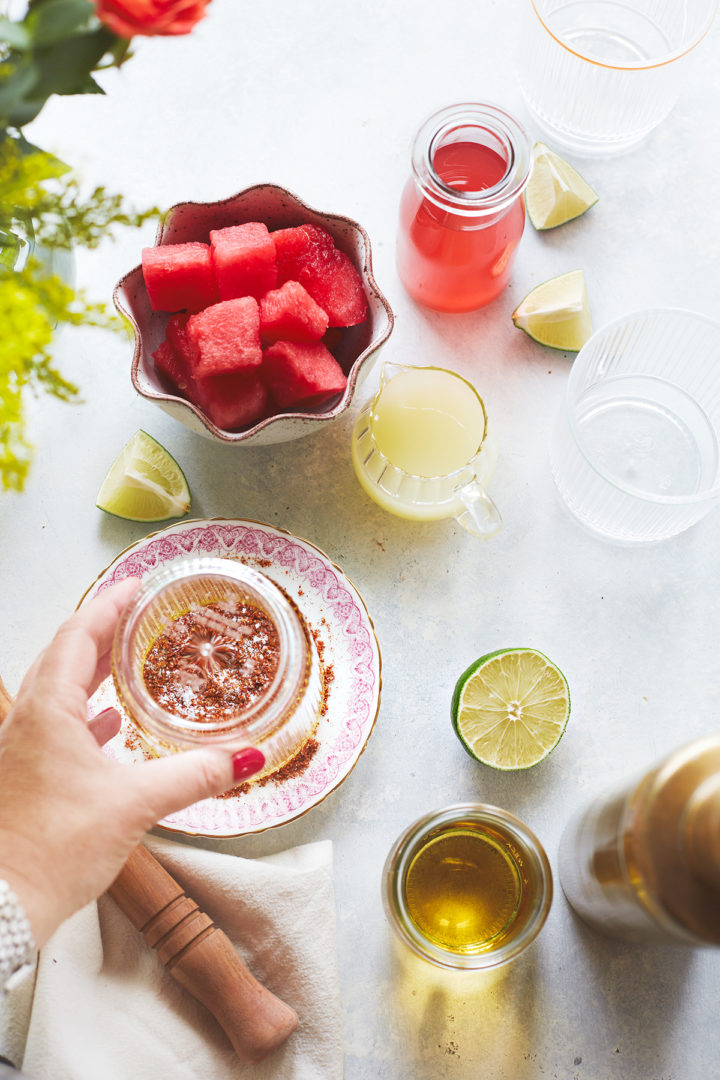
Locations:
(472, 160)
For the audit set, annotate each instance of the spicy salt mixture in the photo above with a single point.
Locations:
(213, 662)
(169, 659)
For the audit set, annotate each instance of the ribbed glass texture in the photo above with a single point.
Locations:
(285, 710)
(635, 453)
(599, 75)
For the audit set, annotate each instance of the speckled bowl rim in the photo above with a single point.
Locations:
(309, 419)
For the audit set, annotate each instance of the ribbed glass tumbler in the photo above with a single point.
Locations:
(599, 75)
(635, 450)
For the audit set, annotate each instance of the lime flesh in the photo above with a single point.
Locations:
(145, 483)
(556, 192)
(557, 313)
(510, 708)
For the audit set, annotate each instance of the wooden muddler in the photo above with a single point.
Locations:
(201, 957)
(198, 955)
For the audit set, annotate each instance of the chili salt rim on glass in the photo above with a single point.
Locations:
(280, 719)
(500, 132)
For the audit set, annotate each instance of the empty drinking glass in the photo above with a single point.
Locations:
(635, 449)
(599, 75)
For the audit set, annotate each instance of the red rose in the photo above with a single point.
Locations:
(149, 17)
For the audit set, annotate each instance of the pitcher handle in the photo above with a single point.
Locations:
(481, 516)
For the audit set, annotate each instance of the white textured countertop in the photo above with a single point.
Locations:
(324, 98)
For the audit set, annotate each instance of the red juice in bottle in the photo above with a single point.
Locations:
(462, 212)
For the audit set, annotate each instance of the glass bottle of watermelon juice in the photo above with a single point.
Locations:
(462, 211)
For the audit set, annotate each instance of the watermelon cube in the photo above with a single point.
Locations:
(290, 314)
(298, 373)
(225, 338)
(168, 364)
(290, 245)
(179, 277)
(231, 401)
(295, 246)
(177, 336)
(308, 254)
(243, 259)
(334, 284)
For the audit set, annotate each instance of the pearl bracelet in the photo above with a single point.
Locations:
(17, 944)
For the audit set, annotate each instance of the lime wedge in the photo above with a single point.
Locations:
(510, 708)
(145, 483)
(556, 313)
(556, 192)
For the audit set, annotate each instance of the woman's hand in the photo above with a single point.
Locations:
(69, 815)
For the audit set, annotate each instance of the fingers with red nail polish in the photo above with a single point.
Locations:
(105, 725)
(247, 762)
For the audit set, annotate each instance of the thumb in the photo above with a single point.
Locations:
(170, 784)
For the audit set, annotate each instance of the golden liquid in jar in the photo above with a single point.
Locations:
(465, 889)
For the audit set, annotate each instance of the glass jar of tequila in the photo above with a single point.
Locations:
(467, 887)
(462, 211)
(212, 652)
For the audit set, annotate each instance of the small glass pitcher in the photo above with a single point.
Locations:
(421, 449)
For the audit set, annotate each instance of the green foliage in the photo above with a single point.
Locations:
(32, 305)
(41, 206)
(53, 50)
(41, 200)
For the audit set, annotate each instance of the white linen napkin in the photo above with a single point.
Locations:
(104, 1007)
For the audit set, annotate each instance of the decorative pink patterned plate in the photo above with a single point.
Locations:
(349, 652)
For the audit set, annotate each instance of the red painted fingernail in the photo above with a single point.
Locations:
(247, 762)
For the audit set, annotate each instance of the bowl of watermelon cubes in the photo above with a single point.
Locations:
(256, 318)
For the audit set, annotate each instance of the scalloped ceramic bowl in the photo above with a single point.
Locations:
(278, 208)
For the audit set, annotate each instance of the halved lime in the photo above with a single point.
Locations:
(557, 312)
(510, 708)
(556, 192)
(145, 483)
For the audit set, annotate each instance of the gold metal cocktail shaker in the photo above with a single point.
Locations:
(644, 862)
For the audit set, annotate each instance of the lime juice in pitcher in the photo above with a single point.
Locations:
(422, 450)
